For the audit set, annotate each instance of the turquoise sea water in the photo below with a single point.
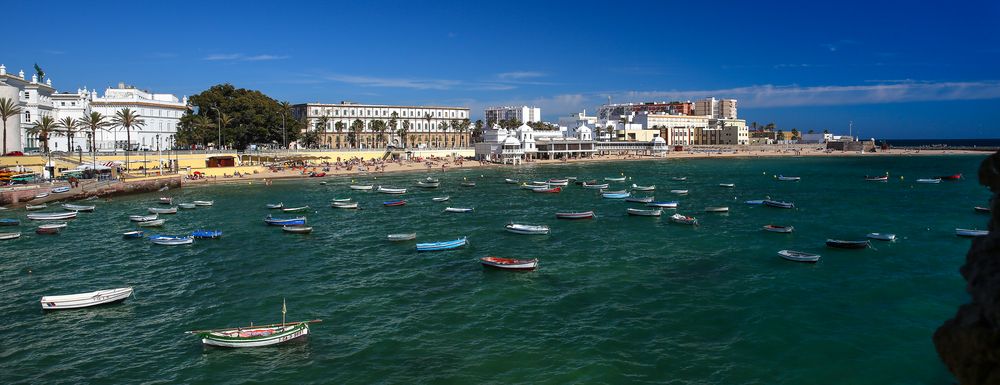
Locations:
(616, 299)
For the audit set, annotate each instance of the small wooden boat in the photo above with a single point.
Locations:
(132, 234)
(615, 195)
(297, 229)
(526, 186)
(431, 180)
(679, 192)
(203, 203)
(877, 178)
(468, 184)
(362, 187)
(9, 222)
(336, 200)
(94, 298)
(344, 205)
(60, 190)
(295, 209)
(166, 200)
(950, 177)
(50, 228)
(596, 186)
(643, 188)
(614, 191)
(72, 207)
(440, 246)
(526, 229)
(6, 236)
(172, 210)
(799, 256)
(539, 183)
(578, 215)
(663, 205)
(509, 263)
(583, 182)
(615, 179)
(929, 180)
(52, 216)
(979, 209)
(882, 236)
(971, 233)
(168, 240)
(401, 237)
(510, 181)
(206, 234)
(254, 336)
(423, 184)
(35, 207)
(397, 202)
(644, 213)
(727, 185)
(271, 221)
(788, 178)
(187, 206)
(635, 199)
(755, 202)
(152, 223)
(779, 229)
(458, 209)
(142, 218)
(717, 209)
(41, 195)
(679, 178)
(441, 199)
(554, 190)
(387, 190)
(841, 244)
(275, 205)
(558, 182)
(683, 219)
(778, 204)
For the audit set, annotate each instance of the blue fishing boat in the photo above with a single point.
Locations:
(207, 234)
(615, 195)
(9, 222)
(778, 204)
(271, 221)
(397, 202)
(439, 246)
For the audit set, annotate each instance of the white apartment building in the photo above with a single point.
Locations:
(35, 99)
(160, 113)
(716, 108)
(426, 126)
(524, 114)
(577, 120)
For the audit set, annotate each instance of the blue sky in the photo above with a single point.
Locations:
(897, 69)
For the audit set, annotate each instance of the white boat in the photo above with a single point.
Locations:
(254, 336)
(882, 236)
(663, 205)
(153, 210)
(387, 190)
(643, 188)
(727, 185)
(72, 207)
(644, 213)
(60, 190)
(615, 179)
(798, 256)
(679, 192)
(971, 233)
(683, 219)
(203, 203)
(94, 298)
(558, 182)
(167, 240)
(401, 237)
(424, 184)
(779, 229)
(679, 178)
(718, 209)
(595, 186)
(6, 236)
(275, 205)
(929, 180)
(297, 229)
(509, 263)
(458, 209)
(755, 202)
(142, 218)
(52, 216)
(510, 181)
(441, 199)
(360, 187)
(788, 178)
(527, 229)
(35, 207)
(151, 223)
(41, 195)
(295, 209)
(166, 200)
(344, 205)
(186, 205)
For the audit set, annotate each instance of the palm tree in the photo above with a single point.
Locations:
(202, 126)
(393, 123)
(93, 122)
(378, 126)
(403, 132)
(126, 118)
(8, 108)
(339, 126)
(69, 128)
(43, 129)
(355, 135)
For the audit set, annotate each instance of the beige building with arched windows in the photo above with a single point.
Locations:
(416, 126)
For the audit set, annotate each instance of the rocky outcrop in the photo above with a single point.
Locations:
(969, 343)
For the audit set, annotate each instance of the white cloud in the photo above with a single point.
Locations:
(242, 57)
(517, 75)
(372, 81)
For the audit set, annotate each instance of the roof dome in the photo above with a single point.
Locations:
(524, 128)
(583, 128)
(511, 141)
(658, 141)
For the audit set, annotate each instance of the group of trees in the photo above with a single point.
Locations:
(224, 115)
(771, 127)
(46, 128)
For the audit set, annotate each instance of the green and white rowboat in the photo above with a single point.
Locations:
(254, 336)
